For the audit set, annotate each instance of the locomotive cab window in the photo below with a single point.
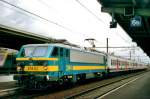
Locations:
(34, 51)
(40, 51)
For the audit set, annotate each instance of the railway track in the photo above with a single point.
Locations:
(17, 93)
(79, 91)
(98, 92)
(9, 91)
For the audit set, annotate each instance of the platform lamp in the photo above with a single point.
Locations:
(113, 23)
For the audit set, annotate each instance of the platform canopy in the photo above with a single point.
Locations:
(13, 38)
(134, 18)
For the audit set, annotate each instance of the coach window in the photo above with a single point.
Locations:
(55, 51)
(112, 62)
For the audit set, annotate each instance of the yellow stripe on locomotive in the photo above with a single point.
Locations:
(88, 67)
(39, 59)
(38, 68)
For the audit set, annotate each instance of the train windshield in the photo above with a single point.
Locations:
(35, 51)
(2, 59)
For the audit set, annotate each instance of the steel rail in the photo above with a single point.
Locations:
(73, 96)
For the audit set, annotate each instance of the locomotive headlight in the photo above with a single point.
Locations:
(47, 77)
(19, 68)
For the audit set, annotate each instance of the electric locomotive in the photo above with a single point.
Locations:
(41, 65)
(7, 61)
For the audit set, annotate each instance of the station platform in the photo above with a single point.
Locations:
(7, 82)
(6, 78)
(139, 89)
(8, 85)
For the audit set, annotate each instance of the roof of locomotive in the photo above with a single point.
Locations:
(68, 46)
(76, 47)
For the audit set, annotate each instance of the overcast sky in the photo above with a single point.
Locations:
(74, 20)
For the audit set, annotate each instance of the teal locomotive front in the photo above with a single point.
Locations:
(41, 65)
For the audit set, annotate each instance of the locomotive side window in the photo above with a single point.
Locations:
(23, 53)
(61, 51)
(2, 59)
(55, 51)
(67, 53)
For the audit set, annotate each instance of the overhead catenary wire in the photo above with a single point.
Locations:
(45, 4)
(90, 11)
(86, 8)
(45, 19)
(48, 6)
(36, 15)
(53, 21)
